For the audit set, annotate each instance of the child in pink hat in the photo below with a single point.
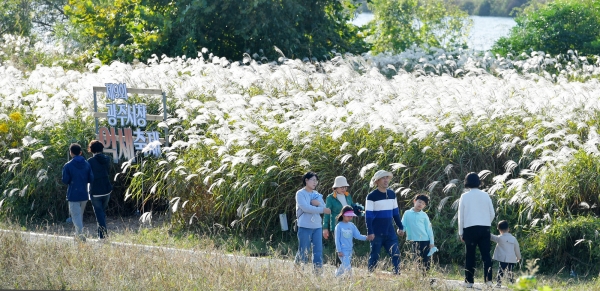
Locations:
(345, 231)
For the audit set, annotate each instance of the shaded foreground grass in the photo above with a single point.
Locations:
(53, 264)
(56, 264)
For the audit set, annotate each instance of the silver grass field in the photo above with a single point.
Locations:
(243, 132)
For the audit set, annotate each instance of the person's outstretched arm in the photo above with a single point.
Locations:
(356, 234)
(396, 214)
(369, 215)
(494, 238)
(327, 217)
(429, 229)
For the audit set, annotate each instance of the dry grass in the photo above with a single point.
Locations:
(58, 263)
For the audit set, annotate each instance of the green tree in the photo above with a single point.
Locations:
(555, 27)
(468, 6)
(485, 8)
(398, 24)
(15, 17)
(48, 15)
(127, 29)
(23, 17)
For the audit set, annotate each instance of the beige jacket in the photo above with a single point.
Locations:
(507, 248)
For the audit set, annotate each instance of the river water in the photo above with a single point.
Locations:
(485, 30)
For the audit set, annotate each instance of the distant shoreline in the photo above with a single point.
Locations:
(485, 32)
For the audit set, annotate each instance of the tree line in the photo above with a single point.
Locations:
(126, 30)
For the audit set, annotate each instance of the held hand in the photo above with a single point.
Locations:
(326, 233)
(340, 254)
(327, 211)
(461, 239)
(400, 232)
(431, 246)
(370, 237)
(315, 202)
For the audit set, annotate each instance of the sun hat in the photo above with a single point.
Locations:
(349, 213)
(340, 181)
(378, 175)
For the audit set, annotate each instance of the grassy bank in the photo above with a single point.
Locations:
(200, 265)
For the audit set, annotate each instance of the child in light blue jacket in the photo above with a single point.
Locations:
(418, 229)
(345, 231)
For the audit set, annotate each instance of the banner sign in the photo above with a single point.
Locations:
(124, 136)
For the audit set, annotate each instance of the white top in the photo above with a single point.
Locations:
(475, 208)
(507, 248)
(342, 199)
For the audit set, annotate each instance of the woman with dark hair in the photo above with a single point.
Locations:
(475, 216)
(101, 187)
(309, 206)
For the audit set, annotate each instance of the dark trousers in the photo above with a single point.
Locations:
(100, 204)
(477, 236)
(390, 243)
(506, 269)
(420, 249)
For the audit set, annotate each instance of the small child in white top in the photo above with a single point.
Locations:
(507, 252)
(418, 229)
(345, 230)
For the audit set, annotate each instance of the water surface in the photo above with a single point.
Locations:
(484, 33)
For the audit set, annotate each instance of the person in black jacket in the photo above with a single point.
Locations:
(77, 174)
(101, 187)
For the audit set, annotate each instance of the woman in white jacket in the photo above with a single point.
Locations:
(475, 216)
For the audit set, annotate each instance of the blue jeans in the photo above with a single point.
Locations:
(346, 265)
(390, 243)
(306, 238)
(99, 204)
(76, 209)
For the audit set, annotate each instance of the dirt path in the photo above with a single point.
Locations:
(118, 225)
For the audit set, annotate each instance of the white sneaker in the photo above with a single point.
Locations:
(489, 284)
(467, 285)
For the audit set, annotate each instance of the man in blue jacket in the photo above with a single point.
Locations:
(77, 173)
(381, 214)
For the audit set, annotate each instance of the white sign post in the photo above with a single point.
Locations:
(124, 141)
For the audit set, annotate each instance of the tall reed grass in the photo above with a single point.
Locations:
(243, 133)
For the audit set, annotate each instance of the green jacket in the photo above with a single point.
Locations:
(330, 220)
